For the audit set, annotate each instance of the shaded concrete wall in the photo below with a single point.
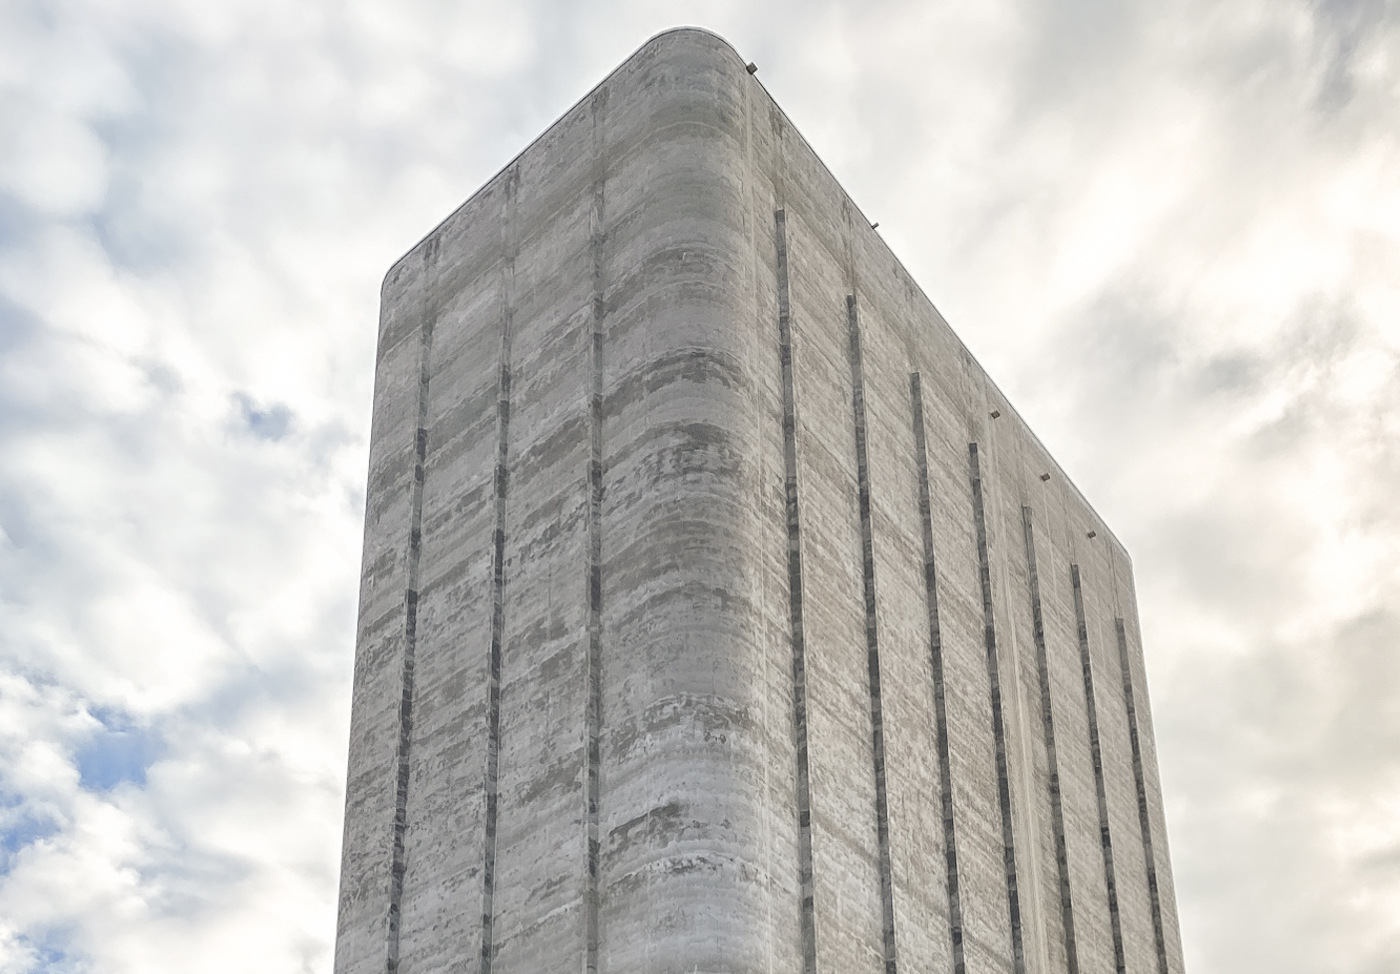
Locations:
(683, 644)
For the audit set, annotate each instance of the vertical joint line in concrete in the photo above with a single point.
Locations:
(1008, 839)
(1096, 754)
(872, 640)
(398, 864)
(1144, 818)
(594, 684)
(490, 784)
(799, 651)
(1047, 716)
(940, 706)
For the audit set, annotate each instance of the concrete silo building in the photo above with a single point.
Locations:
(718, 613)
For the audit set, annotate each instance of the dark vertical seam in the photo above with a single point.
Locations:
(799, 650)
(872, 640)
(1008, 840)
(769, 772)
(1096, 753)
(1057, 814)
(415, 537)
(1144, 819)
(498, 592)
(940, 706)
(593, 678)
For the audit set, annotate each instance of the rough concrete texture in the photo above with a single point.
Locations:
(683, 597)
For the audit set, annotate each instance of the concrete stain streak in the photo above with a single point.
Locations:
(799, 651)
(593, 677)
(940, 700)
(410, 643)
(1047, 716)
(1008, 838)
(501, 484)
(872, 640)
(1096, 754)
(1144, 817)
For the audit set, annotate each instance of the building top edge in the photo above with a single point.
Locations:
(689, 39)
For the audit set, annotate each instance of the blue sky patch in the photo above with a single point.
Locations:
(20, 827)
(269, 423)
(51, 953)
(119, 751)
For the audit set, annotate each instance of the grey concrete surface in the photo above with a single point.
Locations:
(575, 740)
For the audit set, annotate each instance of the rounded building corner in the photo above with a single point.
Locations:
(686, 36)
(685, 47)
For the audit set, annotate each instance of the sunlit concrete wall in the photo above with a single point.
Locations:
(718, 613)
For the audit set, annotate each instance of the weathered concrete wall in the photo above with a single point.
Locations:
(684, 644)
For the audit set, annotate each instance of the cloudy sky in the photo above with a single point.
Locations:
(1170, 229)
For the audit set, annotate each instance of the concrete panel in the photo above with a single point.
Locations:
(366, 867)
(922, 922)
(441, 898)
(845, 868)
